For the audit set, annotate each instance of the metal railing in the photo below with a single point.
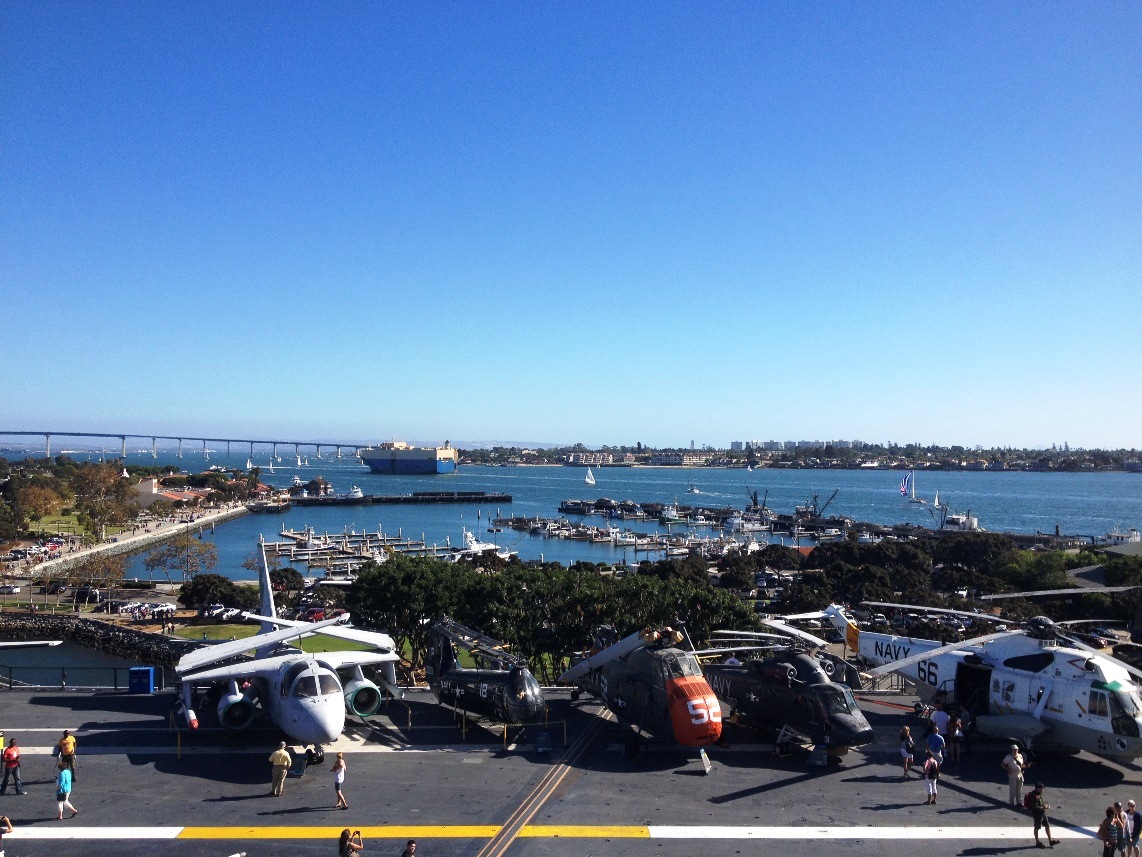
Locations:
(72, 678)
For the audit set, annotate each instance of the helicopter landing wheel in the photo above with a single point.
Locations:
(631, 746)
(574, 696)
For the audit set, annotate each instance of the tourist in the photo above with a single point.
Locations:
(931, 775)
(1110, 833)
(907, 747)
(338, 769)
(281, 761)
(1014, 765)
(1039, 809)
(5, 827)
(409, 849)
(936, 743)
(350, 843)
(66, 748)
(63, 792)
(955, 737)
(12, 768)
(1135, 818)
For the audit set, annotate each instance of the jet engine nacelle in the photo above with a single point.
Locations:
(236, 711)
(362, 697)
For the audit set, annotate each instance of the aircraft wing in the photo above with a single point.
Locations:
(30, 644)
(340, 660)
(264, 667)
(371, 638)
(208, 655)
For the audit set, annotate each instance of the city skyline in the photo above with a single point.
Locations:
(653, 221)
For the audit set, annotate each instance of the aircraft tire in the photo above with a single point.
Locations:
(631, 746)
(574, 696)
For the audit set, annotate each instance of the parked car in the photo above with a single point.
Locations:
(10, 589)
(88, 593)
(313, 614)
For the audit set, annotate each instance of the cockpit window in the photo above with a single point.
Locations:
(328, 683)
(292, 673)
(674, 666)
(304, 687)
(1097, 706)
(838, 699)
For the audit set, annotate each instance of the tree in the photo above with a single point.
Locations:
(287, 580)
(98, 571)
(102, 497)
(39, 501)
(183, 555)
(207, 589)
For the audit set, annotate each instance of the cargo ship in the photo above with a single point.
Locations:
(397, 457)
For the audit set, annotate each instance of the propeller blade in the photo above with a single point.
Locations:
(894, 666)
(749, 634)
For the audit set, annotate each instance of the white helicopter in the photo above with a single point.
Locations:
(302, 694)
(1026, 685)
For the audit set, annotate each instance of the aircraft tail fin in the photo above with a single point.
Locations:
(266, 593)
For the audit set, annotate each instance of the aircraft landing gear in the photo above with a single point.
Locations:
(314, 755)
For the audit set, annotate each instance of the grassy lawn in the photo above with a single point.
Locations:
(320, 643)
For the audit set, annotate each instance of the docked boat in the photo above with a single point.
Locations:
(1117, 537)
(277, 503)
(474, 549)
(398, 458)
(671, 515)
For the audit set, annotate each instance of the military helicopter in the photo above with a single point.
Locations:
(647, 680)
(1031, 684)
(501, 687)
(792, 691)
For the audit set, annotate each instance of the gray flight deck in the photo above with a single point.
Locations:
(137, 796)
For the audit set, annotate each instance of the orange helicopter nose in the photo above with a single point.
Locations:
(694, 711)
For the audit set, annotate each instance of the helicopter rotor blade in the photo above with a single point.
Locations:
(987, 617)
(894, 666)
(722, 650)
(1078, 590)
(748, 634)
(795, 632)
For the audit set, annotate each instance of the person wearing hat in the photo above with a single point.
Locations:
(1134, 817)
(1039, 809)
(1014, 765)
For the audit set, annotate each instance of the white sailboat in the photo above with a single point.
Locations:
(590, 477)
(249, 464)
(936, 502)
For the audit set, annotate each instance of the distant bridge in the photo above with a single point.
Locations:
(155, 438)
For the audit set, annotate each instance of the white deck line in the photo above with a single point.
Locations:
(1023, 832)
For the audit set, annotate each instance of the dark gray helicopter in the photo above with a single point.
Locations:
(500, 687)
(801, 696)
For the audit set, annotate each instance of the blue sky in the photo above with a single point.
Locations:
(564, 222)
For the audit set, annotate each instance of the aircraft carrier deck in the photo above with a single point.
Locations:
(137, 795)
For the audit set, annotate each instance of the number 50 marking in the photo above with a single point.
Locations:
(700, 711)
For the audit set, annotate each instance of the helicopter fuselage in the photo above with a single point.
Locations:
(661, 691)
(1021, 687)
(793, 691)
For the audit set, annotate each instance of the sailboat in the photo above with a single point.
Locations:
(936, 501)
(590, 477)
(249, 464)
(271, 465)
(908, 484)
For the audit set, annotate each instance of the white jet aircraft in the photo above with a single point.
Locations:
(305, 695)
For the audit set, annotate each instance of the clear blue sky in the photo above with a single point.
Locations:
(597, 222)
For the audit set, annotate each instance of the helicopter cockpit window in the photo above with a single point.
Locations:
(1096, 706)
(679, 667)
(838, 699)
(1033, 663)
(1122, 714)
(304, 687)
(328, 683)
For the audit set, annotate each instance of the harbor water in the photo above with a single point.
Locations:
(1083, 504)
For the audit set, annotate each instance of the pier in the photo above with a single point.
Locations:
(417, 497)
(342, 554)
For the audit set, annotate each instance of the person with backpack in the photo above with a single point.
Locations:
(931, 775)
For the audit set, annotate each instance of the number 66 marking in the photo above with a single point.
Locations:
(928, 672)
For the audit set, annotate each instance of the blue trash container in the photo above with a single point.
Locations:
(141, 680)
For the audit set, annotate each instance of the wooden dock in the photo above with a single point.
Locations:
(343, 553)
